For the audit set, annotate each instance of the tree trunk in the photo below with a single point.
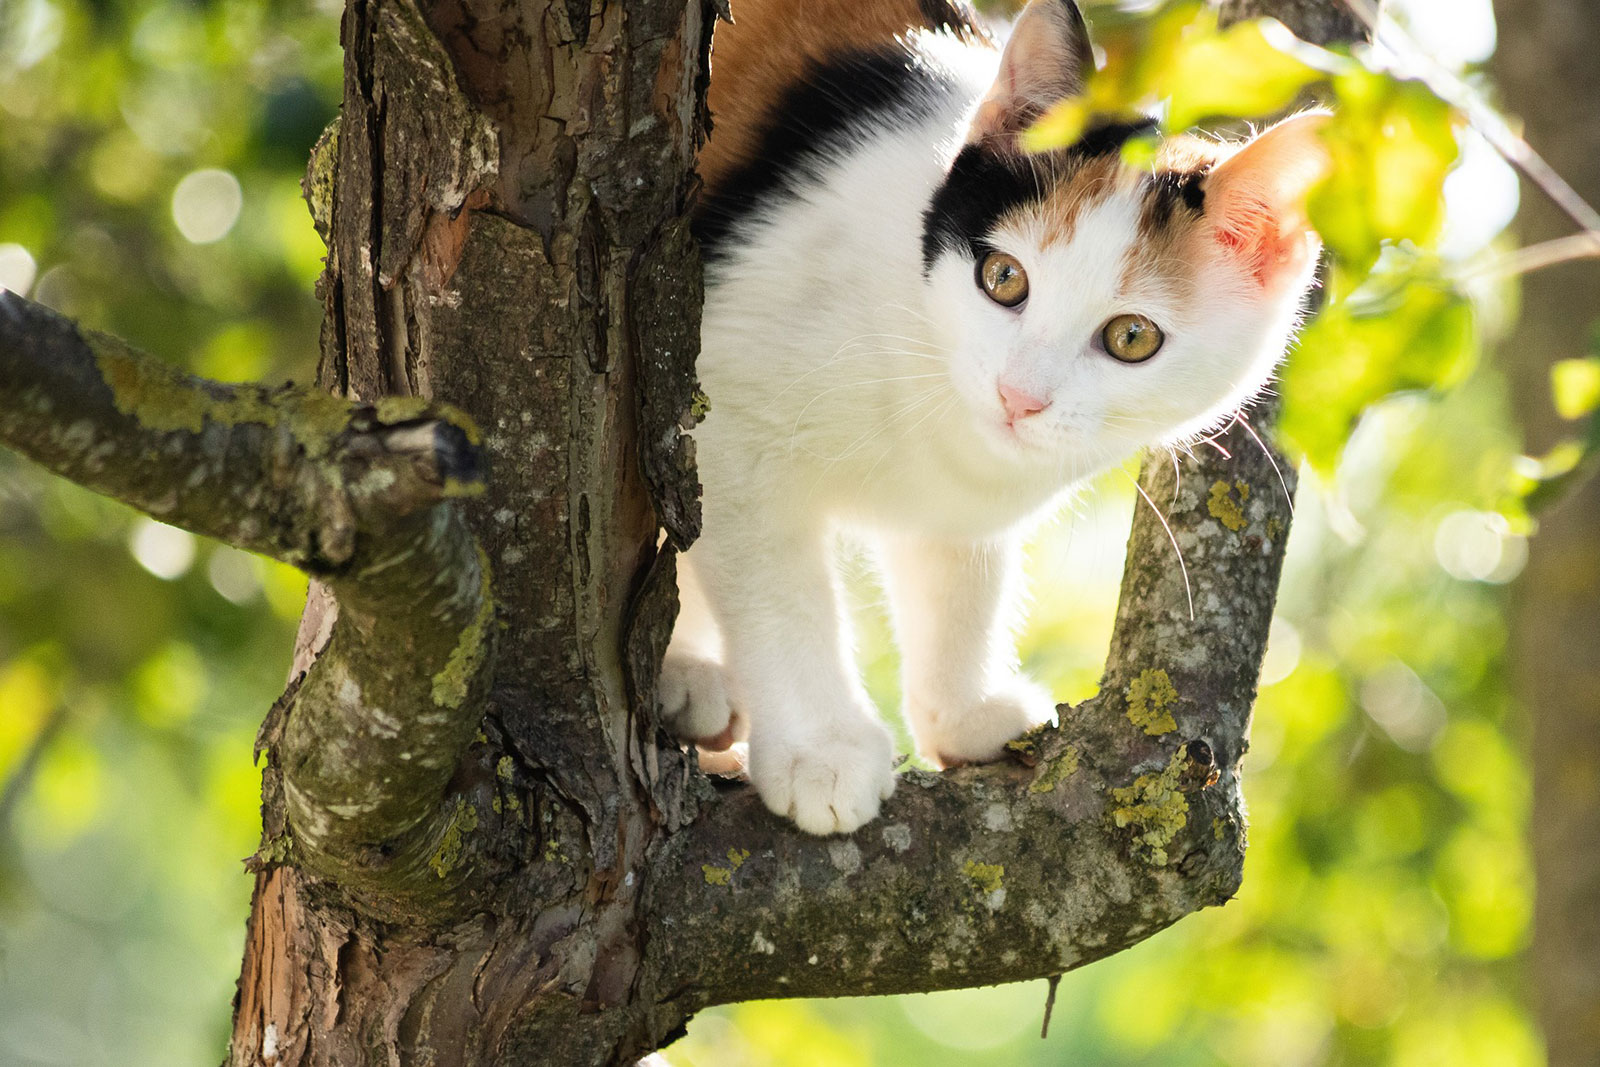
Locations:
(1547, 72)
(506, 231)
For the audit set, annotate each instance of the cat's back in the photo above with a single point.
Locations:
(774, 46)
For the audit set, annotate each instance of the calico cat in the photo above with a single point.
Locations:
(918, 333)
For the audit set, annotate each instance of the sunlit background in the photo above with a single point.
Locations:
(150, 153)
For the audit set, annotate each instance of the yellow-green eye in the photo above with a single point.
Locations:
(1131, 338)
(1003, 278)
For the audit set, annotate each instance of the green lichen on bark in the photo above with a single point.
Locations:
(1151, 697)
(988, 877)
(1224, 508)
(453, 684)
(1155, 808)
(700, 406)
(1056, 771)
(164, 399)
(317, 185)
(274, 851)
(447, 857)
(396, 410)
(723, 876)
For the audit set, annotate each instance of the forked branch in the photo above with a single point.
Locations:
(356, 495)
(1113, 825)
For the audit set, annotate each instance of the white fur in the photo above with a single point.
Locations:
(849, 391)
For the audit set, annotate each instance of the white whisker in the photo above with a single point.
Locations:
(1183, 567)
(1288, 497)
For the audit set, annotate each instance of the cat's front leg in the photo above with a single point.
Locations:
(695, 703)
(955, 603)
(818, 754)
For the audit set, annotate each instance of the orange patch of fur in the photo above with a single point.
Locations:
(1090, 184)
(768, 48)
(1167, 251)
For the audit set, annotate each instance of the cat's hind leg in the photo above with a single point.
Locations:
(695, 703)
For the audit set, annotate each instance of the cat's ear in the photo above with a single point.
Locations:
(1047, 59)
(1256, 199)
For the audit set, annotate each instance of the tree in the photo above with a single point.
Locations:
(477, 843)
(1557, 609)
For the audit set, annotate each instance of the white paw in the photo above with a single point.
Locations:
(694, 700)
(730, 762)
(951, 737)
(828, 784)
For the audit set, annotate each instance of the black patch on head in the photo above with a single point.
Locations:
(982, 186)
(985, 183)
(1168, 191)
(952, 15)
(845, 96)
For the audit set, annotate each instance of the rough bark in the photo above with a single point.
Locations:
(1556, 610)
(503, 199)
(1101, 832)
(1324, 22)
(355, 494)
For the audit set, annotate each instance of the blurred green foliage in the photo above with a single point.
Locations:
(150, 152)
(122, 897)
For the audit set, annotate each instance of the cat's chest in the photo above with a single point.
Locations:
(944, 485)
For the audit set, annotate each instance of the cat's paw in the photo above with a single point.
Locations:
(952, 737)
(826, 785)
(694, 701)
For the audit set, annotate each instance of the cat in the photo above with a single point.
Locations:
(916, 332)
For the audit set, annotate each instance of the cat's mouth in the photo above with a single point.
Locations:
(1017, 438)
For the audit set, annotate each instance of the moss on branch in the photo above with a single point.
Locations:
(1094, 835)
(359, 495)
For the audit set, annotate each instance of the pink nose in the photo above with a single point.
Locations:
(1020, 405)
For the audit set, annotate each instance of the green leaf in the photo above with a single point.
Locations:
(1545, 481)
(1575, 384)
(1058, 127)
(1234, 72)
(1398, 333)
(1392, 145)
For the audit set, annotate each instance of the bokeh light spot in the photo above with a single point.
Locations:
(165, 551)
(206, 204)
(17, 269)
(233, 574)
(1479, 546)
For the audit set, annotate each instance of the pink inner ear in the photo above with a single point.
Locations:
(1256, 199)
(1272, 248)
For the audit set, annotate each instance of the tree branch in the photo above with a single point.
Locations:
(1318, 21)
(1110, 827)
(357, 495)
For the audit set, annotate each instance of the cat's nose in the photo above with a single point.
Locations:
(1019, 405)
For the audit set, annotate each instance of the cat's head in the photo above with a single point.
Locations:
(1092, 307)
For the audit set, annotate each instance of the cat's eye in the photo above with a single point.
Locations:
(1003, 278)
(1131, 338)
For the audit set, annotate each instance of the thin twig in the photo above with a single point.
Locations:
(1535, 257)
(1049, 1005)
